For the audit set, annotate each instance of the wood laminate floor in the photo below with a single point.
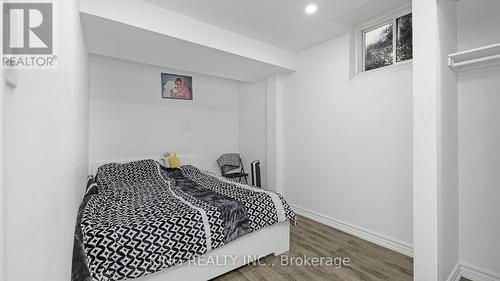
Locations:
(368, 261)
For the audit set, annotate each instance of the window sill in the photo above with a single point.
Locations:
(386, 69)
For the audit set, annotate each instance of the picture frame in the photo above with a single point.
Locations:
(175, 86)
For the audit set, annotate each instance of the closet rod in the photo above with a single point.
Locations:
(478, 60)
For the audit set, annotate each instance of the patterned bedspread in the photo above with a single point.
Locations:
(140, 218)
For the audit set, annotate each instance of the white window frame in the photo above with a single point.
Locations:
(371, 25)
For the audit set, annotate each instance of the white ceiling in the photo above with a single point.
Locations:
(282, 23)
(113, 39)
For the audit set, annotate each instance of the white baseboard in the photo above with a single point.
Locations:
(455, 274)
(476, 273)
(379, 239)
(465, 270)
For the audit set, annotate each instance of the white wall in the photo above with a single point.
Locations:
(425, 140)
(479, 138)
(46, 138)
(4, 89)
(448, 248)
(346, 145)
(253, 126)
(274, 92)
(435, 163)
(130, 120)
(478, 23)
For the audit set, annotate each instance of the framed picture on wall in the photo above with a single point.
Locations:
(175, 86)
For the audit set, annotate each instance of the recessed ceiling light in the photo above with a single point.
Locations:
(311, 9)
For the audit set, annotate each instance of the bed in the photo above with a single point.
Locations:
(141, 220)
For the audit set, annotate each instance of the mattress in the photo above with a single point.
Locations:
(139, 218)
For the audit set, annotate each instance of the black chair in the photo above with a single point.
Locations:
(230, 162)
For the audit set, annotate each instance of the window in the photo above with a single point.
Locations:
(378, 47)
(386, 43)
(404, 47)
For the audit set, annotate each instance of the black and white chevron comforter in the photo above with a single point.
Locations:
(140, 218)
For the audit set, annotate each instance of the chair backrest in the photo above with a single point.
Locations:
(228, 162)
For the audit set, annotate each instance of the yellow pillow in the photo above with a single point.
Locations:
(174, 161)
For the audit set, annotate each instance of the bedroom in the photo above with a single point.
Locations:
(397, 165)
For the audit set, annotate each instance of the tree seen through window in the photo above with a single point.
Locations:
(379, 47)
